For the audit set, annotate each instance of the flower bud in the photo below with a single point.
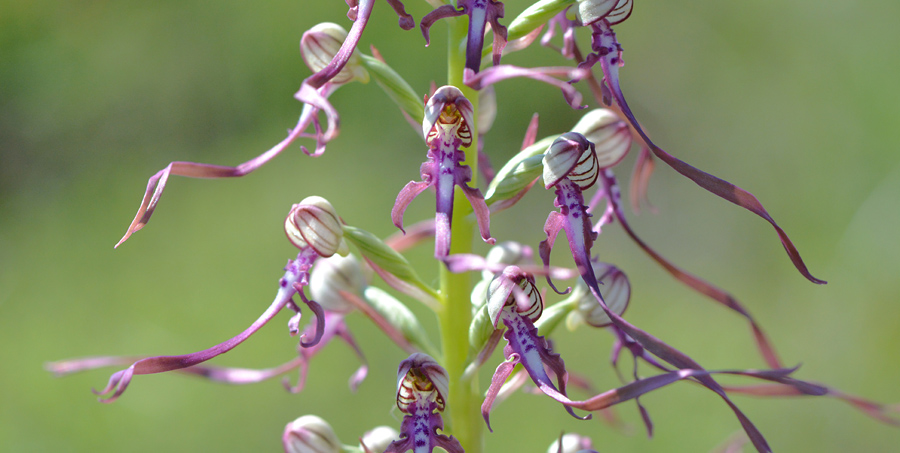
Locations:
(571, 156)
(571, 443)
(320, 44)
(420, 377)
(481, 328)
(502, 293)
(332, 275)
(590, 11)
(314, 223)
(310, 434)
(615, 289)
(378, 439)
(609, 134)
(448, 113)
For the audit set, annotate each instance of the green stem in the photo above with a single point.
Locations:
(465, 397)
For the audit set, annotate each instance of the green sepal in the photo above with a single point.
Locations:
(388, 259)
(518, 172)
(480, 329)
(554, 315)
(395, 87)
(399, 316)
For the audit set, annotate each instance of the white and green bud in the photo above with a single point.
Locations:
(571, 443)
(314, 223)
(320, 44)
(571, 156)
(331, 276)
(310, 434)
(609, 134)
(615, 289)
(590, 11)
(378, 439)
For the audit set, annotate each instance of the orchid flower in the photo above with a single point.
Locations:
(480, 12)
(422, 388)
(317, 46)
(314, 227)
(514, 299)
(447, 128)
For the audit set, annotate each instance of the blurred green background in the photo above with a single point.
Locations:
(797, 102)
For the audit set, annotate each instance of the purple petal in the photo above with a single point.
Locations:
(392, 332)
(309, 95)
(500, 376)
(498, 73)
(157, 183)
(610, 60)
(465, 262)
(555, 222)
(482, 213)
(320, 318)
(878, 411)
(530, 132)
(406, 21)
(404, 198)
(411, 236)
(441, 12)
(763, 344)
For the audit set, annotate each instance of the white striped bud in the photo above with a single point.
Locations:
(320, 44)
(571, 156)
(615, 289)
(310, 434)
(609, 134)
(314, 223)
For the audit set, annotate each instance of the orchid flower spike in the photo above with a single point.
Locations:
(447, 128)
(480, 12)
(422, 388)
(315, 228)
